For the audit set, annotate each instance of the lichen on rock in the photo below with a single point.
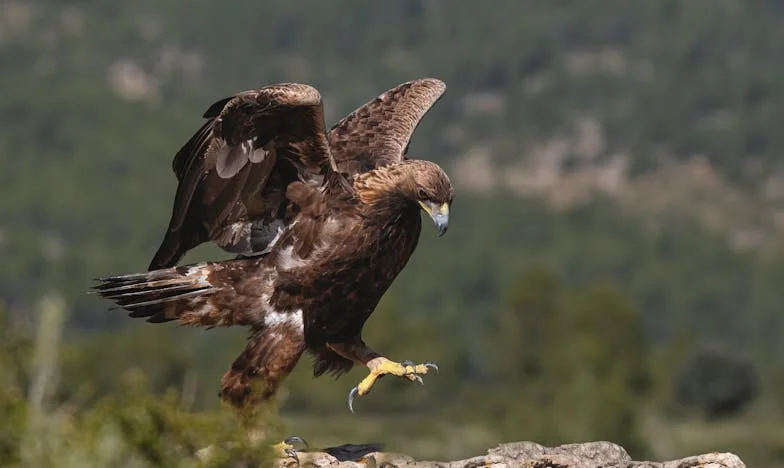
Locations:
(509, 455)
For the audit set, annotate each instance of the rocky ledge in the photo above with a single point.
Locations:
(515, 454)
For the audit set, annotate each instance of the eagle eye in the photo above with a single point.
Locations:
(421, 194)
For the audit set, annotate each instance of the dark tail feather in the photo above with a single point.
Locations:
(156, 294)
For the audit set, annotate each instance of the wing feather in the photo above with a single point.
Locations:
(236, 167)
(254, 133)
(378, 132)
(187, 168)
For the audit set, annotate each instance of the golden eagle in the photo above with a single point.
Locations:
(327, 221)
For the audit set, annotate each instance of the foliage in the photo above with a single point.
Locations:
(131, 427)
(716, 382)
(571, 353)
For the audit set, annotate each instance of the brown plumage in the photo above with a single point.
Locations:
(340, 245)
(234, 171)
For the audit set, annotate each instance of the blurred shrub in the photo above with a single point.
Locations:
(131, 428)
(573, 362)
(716, 382)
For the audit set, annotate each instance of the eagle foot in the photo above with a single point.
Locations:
(286, 448)
(382, 366)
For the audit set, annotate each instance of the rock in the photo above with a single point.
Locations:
(512, 455)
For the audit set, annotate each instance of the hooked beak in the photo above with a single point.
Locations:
(439, 213)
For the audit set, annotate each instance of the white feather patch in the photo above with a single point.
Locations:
(275, 336)
(288, 259)
(229, 160)
(199, 274)
(297, 321)
(274, 319)
(259, 154)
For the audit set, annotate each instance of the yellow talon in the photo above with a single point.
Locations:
(285, 449)
(381, 366)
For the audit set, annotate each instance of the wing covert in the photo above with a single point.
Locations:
(236, 167)
(377, 133)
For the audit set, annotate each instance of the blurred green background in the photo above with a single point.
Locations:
(614, 264)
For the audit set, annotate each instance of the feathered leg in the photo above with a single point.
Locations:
(358, 352)
(269, 356)
(256, 375)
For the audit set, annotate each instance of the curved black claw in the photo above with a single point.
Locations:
(432, 365)
(292, 453)
(296, 440)
(351, 395)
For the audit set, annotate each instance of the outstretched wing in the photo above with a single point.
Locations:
(378, 132)
(234, 171)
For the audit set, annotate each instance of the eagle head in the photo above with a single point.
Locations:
(409, 183)
(427, 185)
(432, 191)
